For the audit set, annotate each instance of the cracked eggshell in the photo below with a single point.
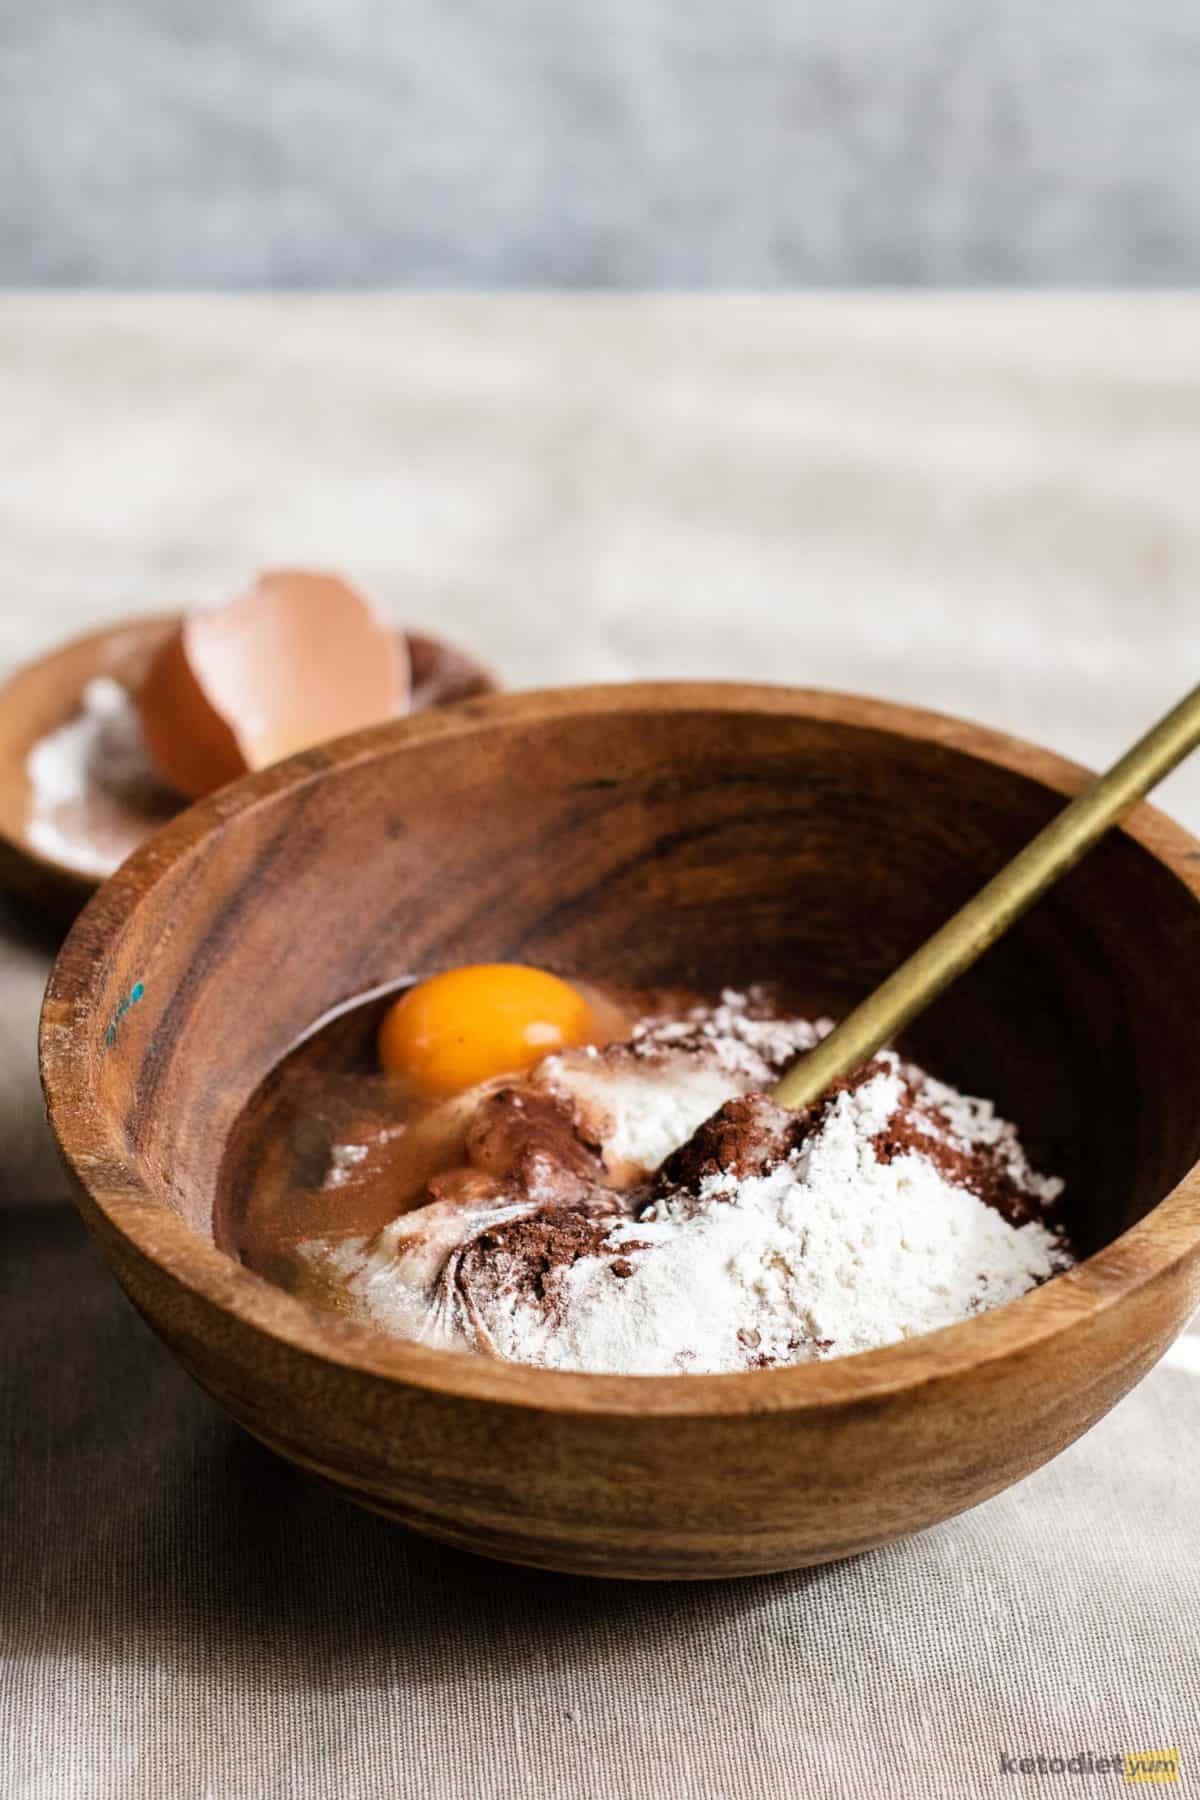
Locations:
(299, 659)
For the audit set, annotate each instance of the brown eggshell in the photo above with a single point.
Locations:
(299, 659)
(188, 740)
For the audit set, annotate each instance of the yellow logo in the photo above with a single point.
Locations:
(1152, 1765)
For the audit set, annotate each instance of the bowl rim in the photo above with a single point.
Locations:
(112, 1190)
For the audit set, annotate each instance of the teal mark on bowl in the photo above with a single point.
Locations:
(131, 999)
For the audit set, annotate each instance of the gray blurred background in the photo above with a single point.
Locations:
(300, 143)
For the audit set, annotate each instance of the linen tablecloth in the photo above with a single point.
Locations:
(982, 504)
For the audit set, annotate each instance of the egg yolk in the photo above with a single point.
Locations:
(472, 1024)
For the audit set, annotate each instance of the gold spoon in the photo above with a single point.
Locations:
(982, 920)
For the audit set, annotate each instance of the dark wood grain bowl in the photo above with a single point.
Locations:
(661, 833)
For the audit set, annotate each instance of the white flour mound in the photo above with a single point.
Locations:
(840, 1247)
(93, 793)
(832, 1252)
(674, 1074)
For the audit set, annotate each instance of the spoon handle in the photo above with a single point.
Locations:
(964, 937)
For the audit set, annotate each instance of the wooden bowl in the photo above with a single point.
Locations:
(46, 694)
(659, 833)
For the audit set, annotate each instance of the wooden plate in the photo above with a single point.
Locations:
(42, 859)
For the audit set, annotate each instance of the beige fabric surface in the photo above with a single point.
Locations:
(983, 504)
